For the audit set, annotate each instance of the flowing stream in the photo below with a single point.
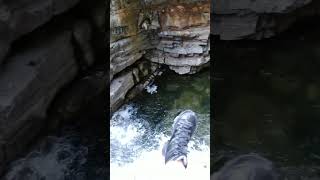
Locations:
(140, 128)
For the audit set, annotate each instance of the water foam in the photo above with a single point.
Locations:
(56, 159)
(148, 163)
(151, 88)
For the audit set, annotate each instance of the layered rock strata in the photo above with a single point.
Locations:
(184, 37)
(133, 80)
(172, 33)
(246, 19)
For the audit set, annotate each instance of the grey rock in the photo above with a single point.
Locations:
(98, 17)
(26, 134)
(23, 16)
(2, 157)
(247, 167)
(235, 27)
(183, 50)
(139, 30)
(82, 34)
(171, 61)
(181, 69)
(30, 80)
(69, 104)
(119, 88)
(247, 19)
(125, 52)
(257, 6)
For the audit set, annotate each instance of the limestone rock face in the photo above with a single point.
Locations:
(128, 39)
(28, 83)
(247, 19)
(177, 32)
(184, 37)
(22, 16)
(173, 33)
(122, 84)
(119, 88)
(183, 50)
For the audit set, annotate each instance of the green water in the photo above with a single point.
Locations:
(176, 93)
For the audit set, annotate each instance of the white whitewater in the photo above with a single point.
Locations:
(136, 151)
(55, 159)
(151, 88)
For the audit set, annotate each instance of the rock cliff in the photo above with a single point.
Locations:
(172, 33)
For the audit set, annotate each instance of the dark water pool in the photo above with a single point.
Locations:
(267, 100)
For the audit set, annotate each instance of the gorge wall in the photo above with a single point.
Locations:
(48, 51)
(171, 33)
(176, 33)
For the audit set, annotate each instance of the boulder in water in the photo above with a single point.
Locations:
(247, 167)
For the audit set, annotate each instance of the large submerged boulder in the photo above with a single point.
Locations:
(247, 167)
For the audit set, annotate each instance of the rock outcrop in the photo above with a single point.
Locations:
(45, 45)
(184, 44)
(20, 17)
(246, 19)
(27, 84)
(121, 85)
(245, 167)
(172, 33)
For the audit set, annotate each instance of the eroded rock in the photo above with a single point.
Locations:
(28, 83)
(21, 17)
(134, 79)
(174, 33)
(184, 37)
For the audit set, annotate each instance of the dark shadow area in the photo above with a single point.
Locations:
(266, 100)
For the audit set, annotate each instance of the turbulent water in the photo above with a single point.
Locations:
(75, 153)
(139, 130)
(55, 159)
